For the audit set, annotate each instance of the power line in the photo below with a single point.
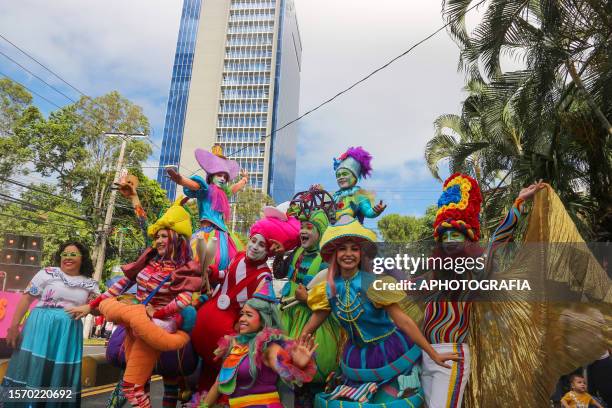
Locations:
(365, 78)
(37, 77)
(35, 221)
(42, 65)
(18, 201)
(34, 92)
(39, 190)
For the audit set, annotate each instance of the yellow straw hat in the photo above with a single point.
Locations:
(175, 218)
(347, 229)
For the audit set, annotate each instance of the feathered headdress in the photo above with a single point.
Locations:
(459, 207)
(357, 160)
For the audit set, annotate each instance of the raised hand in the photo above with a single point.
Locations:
(173, 174)
(528, 192)
(128, 185)
(302, 353)
(244, 173)
(79, 311)
(380, 207)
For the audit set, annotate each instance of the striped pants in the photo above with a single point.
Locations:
(443, 387)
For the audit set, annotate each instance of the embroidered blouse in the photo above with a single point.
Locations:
(58, 289)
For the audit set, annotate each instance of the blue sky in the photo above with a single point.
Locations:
(129, 46)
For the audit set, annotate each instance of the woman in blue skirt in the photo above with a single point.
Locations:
(51, 348)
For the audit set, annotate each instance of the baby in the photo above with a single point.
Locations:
(578, 397)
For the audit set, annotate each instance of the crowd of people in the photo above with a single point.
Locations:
(206, 317)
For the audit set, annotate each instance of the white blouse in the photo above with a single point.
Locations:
(57, 289)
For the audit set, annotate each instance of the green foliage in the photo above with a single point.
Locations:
(406, 229)
(70, 147)
(248, 207)
(541, 122)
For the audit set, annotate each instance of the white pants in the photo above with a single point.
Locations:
(443, 387)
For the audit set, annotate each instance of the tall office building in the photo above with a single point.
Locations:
(236, 79)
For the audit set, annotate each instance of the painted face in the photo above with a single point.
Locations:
(249, 321)
(452, 241)
(309, 235)
(71, 260)
(162, 238)
(348, 255)
(256, 248)
(579, 384)
(220, 179)
(345, 178)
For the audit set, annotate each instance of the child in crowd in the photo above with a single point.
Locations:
(578, 397)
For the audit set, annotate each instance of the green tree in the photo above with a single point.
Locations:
(547, 121)
(396, 228)
(248, 207)
(17, 115)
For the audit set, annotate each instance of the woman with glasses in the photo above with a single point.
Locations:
(51, 341)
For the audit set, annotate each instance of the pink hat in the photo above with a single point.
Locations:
(287, 232)
(214, 162)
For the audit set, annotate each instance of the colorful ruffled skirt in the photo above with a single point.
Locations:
(329, 336)
(50, 356)
(377, 374)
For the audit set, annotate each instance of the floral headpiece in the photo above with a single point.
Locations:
(459, 207)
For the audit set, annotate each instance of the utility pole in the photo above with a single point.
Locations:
(104, 229)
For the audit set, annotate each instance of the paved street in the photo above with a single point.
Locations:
(98, 396)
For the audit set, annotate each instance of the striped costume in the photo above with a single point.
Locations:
(446, 323)
(216, 317)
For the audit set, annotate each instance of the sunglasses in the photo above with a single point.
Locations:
(70, 255)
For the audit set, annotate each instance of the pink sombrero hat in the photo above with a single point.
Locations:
(214, 162)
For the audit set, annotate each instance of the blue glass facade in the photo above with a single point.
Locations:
(283, 145)
(179, 92)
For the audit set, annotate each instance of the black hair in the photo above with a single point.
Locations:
(574, 376)
(87, 268)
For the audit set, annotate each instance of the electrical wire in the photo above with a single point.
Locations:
(365, 78)
(18, 201)
(37, 77)
(34, 92)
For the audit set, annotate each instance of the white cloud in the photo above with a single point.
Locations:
(99, 46)
(391, 114)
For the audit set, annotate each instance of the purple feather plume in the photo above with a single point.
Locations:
(363, 157)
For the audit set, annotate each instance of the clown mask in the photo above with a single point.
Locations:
(309, 235)
(256, 248)
(345, 178)
(452, 241)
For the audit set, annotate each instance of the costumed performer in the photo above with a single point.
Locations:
(384, 344)
(175, 365)
(446, 322)
(353, 165)
(259, 355)
(51, 342)
(300, 267)
(213, 194)
(217, 316)
(523, 341)
(166, 277)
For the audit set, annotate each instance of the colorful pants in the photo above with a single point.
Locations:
(444, 387)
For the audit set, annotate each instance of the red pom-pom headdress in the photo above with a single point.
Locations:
(459, 207)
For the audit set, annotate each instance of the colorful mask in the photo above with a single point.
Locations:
(345, 178)
(309, 235)
(257, 248)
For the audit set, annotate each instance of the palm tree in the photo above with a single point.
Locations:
(548, 120)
